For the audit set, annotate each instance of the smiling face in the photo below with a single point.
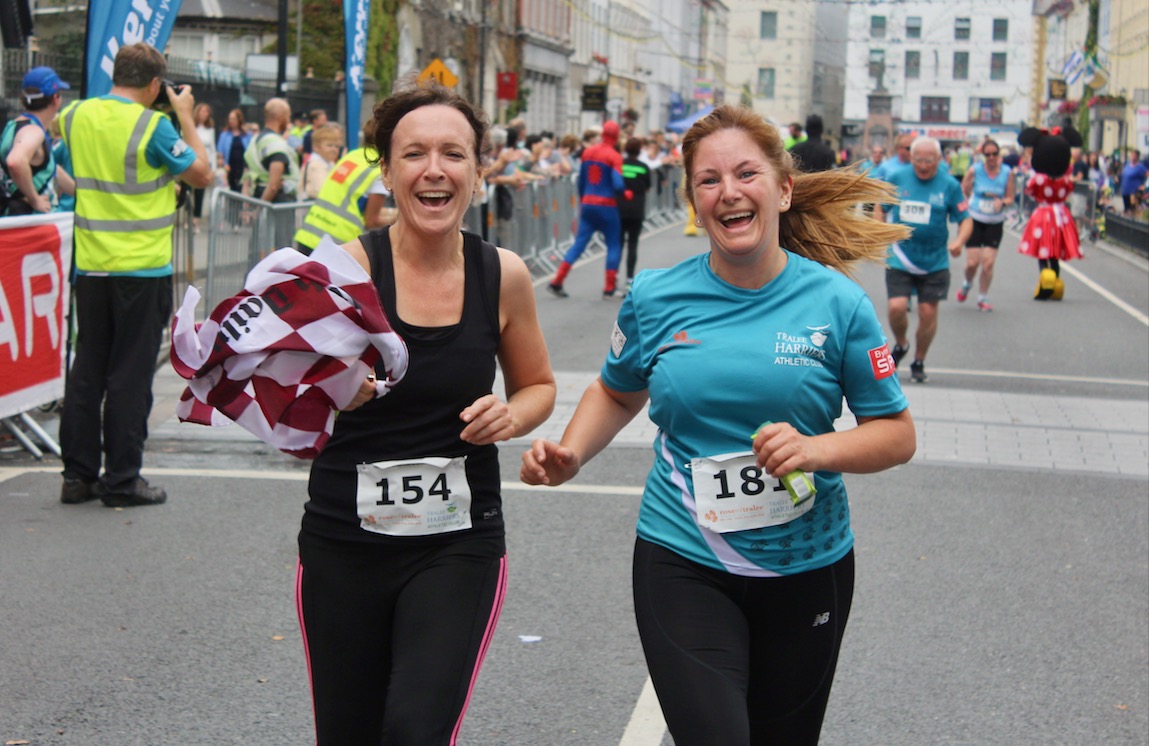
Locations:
(738, 196)
(432, 169)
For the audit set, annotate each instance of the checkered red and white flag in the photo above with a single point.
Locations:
(289, 351)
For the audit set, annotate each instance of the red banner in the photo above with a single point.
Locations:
(507, 86)
(35, 256)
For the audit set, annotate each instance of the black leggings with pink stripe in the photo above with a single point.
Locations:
(395, 637)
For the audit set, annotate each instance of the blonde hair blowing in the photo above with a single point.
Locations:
(825, 222)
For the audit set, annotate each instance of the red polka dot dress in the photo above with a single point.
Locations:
(1051, 232)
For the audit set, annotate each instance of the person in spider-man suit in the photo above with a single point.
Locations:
(599, 185)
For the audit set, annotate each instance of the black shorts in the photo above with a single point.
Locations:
(931, 288)
(985, 235)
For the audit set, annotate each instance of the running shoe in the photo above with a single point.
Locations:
(557, 291)
(608, 294)
(963, 293)
(984, 305)
(898, 353)
(918, 371)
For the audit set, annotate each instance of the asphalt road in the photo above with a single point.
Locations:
(1003, 575)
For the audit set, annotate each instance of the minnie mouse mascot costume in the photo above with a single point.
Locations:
(1050, 234)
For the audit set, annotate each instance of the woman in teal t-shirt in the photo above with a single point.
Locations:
(745, 353)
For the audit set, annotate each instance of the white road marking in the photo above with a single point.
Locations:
(302, 476)
(1040, 377)
(1106, 294)
(646, 726)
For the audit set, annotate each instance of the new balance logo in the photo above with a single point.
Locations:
(820, 619)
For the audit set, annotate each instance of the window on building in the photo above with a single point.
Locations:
(877, 62)
(997, 66)
(765, 87)
(935, 109)
(768, 25)
(914, 27)
(985, 110)
(913, 65)
(877, 27)
(233, 50)
(961, 28)
(961, 65)
(1001, 29)
(188, 47)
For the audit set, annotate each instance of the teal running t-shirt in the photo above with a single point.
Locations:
(718, 361)
(925, 207)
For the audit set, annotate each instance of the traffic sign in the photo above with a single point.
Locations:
(440, 72)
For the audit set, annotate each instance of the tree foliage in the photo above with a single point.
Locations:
(383, 43)
(324, 43)
(322, 38)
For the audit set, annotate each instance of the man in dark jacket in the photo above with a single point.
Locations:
(813, 154)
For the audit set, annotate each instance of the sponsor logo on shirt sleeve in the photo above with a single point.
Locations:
(882, 363)
(179, 148)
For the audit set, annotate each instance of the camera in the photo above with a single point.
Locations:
(162, 99)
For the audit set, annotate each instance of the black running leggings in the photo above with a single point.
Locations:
(395, 637)
(736, 660)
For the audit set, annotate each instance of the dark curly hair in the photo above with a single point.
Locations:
(411, 96)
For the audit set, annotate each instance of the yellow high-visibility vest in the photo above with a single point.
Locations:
(125, 207)
(264, 145)
(336, 210)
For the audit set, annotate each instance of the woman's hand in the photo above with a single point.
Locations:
(780, 449)
(488, 421)
(365, 394)
(548, 463)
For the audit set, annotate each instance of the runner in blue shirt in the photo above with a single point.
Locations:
(919, 264)
(898, 159)
(989, 186)
(745, 354)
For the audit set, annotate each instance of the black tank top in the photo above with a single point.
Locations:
(449, 368)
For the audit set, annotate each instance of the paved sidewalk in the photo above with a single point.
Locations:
(955, 426)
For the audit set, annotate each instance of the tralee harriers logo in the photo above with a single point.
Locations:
(802, 349)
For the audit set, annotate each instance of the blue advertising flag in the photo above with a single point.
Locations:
(116, 23)
(355, 13)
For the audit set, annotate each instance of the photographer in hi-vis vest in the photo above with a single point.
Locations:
(126, 159)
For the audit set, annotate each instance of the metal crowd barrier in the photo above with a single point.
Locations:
(242, 230)
(546, 218)
(183, 250)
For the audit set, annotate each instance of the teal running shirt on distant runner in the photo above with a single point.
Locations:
(924, 207)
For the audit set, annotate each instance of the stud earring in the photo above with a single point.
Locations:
(698, 222)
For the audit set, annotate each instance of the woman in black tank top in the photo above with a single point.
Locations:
(402, 559)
